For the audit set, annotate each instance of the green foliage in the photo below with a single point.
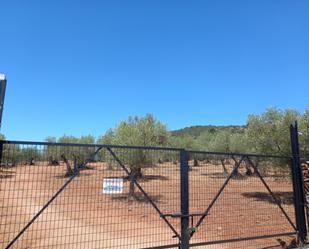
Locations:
(14, 155)
(80, 154)
(30, 153)
(240, 143)
(108, 138)
(89, 139)
(304, 135)
(221, 141)
(184, 141)
(196, 131)
(269, 132)
(144, 131)
(50, 152)
(205, 141)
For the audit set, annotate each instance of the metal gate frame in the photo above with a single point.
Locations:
(187, 231)
(298, 185)
(109, 148)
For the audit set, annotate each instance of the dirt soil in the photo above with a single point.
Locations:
(83, 217)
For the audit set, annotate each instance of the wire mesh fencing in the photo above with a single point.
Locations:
(100, 196)
(85, 213)
(244, 199)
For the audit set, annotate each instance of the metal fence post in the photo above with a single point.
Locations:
(1, 152)
(299, 198)
(2, 95)
(184, 186)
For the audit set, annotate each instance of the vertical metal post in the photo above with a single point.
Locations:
(299, 197)
(184, 186)
(2, 95)
(1, 152)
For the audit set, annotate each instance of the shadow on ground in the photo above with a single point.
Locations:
(283, 197)
(139, 197)
(5, 174)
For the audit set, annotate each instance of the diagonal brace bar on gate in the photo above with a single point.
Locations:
(143, 192)
(271, 193)
(76, 173)
(41, 211)
(218, 195)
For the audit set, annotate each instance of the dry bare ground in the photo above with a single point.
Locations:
(83, 217)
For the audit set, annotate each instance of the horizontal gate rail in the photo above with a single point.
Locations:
(241, 239)
(90, 145)
(142, 148)
(163, 247)
(215, 242)
(237, 154)
(183, 215)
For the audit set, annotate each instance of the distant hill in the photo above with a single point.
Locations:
(196, 131)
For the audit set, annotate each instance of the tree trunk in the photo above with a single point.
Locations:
(249, 172)
(31, 161)
(53, 162)
(235, 174)
(76, 166)
(69, 169)
(132, 187)
(134, 175)
(225, 173)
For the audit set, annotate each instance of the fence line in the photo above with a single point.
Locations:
(60, 195)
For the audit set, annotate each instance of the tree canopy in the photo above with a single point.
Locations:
(266, 133)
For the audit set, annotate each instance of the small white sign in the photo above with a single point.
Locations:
(113, 186)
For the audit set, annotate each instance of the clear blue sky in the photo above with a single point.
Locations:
(79, 67)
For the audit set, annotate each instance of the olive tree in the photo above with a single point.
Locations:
(269, 132)
(50, 152)
(76, 155)
(137, 131)
(304, 134)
